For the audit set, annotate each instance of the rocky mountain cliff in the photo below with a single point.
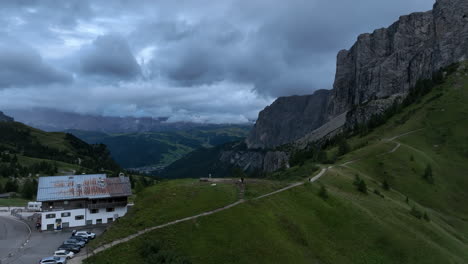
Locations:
(5, 118)
(289, 118)
(378, 68)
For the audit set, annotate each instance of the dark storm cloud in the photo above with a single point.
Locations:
(21, 65)
(109, 55)
(188, 59)
(281, 47)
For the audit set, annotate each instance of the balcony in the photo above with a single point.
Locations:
(107, 205)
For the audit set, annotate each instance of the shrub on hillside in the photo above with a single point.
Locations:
(323, 193)
(416, 213)
(153, 252)
(360, 184)
(385, 185)
(426, 217)
(428, 176)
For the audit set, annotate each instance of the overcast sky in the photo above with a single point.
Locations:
(199, 60)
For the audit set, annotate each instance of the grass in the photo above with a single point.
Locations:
(17, 202)
(298, 226)
(168, 201)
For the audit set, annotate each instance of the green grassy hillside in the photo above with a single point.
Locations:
(26, 153)
(160, 149)
(402, 200)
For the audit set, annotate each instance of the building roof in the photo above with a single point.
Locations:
(54, 188)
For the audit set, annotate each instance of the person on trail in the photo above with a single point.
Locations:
(242, 179)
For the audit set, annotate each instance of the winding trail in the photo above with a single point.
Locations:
(79, 259)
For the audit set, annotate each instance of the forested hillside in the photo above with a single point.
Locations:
(26, 153)
(156, 150)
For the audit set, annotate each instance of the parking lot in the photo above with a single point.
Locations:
(43, 244)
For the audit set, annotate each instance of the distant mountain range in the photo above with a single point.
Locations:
(54, 120)
(150, 152)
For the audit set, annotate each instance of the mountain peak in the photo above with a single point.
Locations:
(5, 118)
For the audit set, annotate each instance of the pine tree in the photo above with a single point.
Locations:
(343, 147)
(426, 217)
(385, 185)
(428, 174)
(11, 186)
(362, 187)
(323, 192)
(357, 180)
(416, 213)
(27, 191)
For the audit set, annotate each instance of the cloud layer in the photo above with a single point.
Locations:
(206, 60)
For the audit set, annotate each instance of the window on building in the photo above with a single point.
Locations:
(110, 209)
(79, 217)
(94, 211)
(98, 221)
(110, 220)
(65, 202)
(48, 216)
(89, 222)
(51, 203)
(66, 214)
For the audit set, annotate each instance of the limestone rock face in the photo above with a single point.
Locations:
(378, 68)
(251, 161)
(288, 119)
(5, 118)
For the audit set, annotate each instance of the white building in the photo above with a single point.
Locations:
(78, 200)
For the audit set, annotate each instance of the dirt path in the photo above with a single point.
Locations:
(79, 259)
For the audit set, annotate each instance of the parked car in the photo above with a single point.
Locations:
(64, 254)
(74, 242)
(53, 260)
(70, 247)
(86, 234)
(80, 238)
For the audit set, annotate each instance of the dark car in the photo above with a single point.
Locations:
(75, 242)
(70, 247)
(80, 238)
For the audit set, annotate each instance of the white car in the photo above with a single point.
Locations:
(86, 234)
(64, 254)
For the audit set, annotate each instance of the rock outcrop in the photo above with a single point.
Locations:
(379, 68)
(5, 118)
(252, 161)
(288, 119)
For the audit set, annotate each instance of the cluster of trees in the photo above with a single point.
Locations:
(27, 189)
(314, 153)
(17, 138)
(10, 167)
(138, 183)
(360, 184)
